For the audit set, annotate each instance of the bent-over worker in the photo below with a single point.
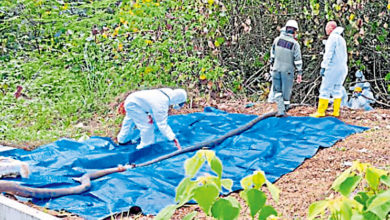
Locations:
(146, 107)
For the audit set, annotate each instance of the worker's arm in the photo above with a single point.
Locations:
(161, 119)
(298, 63)
(126, 128)
(329, 52)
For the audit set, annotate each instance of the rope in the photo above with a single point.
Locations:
(85, 180)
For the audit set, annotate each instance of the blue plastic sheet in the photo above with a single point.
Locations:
(275, 145)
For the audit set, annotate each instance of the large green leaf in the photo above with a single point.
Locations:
(224, 209)
(166, 213)
(193, 164)
(382, 210)
(317, 208)
(275, 191)
(205, 196)
(184, 191)
(267, 211)
(216, 166)
(380, 205)
(341, 178)
(349, 184)
(256, 200)
(372, 178)
(345, 210)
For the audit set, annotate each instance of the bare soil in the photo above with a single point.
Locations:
(311, 181)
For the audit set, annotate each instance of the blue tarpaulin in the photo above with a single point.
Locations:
(275, 145)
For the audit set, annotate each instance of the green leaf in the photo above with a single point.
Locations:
(275, 191)
(349, 185)
(219, 41)
(370, 216)
(166, 213)
(258, 179)
(193, 164)
(340, 179)
(372, 177)
(385, 180)
(227, 184)
(247, 182)
(190, 216)
(382, 210)
(316, 208)
(362, 198)
(346, 210)
(387, 78)
(256, 200)
(205, 196)
(380, 204)
(224, 209)
(184, 191)
(216, 166)
(267, 211)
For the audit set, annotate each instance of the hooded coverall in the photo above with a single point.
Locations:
(144, 107)
(335, 64)
(285, 57)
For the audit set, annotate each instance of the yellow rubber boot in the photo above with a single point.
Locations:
(322, 106)
(336, 107)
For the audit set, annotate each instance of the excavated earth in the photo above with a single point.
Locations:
(311, 181)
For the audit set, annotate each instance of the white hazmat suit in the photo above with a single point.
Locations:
(335, 65)
(144, 108)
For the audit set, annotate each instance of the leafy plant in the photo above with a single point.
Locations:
(369, 201)
(73, 58)
(205, 190)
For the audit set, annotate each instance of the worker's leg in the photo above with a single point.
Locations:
(325, 91)
(338, 92)
(278, 93)
(126, 133)
(287, 84)
(146, 128)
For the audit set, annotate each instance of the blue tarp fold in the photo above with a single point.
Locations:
(275, 145)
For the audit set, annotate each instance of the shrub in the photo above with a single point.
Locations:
(365, 194)
(205, 190)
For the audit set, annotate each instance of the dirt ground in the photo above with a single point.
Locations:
(311, 181)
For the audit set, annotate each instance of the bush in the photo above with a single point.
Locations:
(205, 190)
(365, 194)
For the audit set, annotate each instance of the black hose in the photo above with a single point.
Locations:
(211, 143)
(85, 180)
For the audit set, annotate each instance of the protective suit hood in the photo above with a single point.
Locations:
(178, 96)
(338, 30)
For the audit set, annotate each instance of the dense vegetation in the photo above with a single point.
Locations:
(63, 62)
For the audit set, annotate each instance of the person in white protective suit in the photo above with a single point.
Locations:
(146, 107)
(334, 70)
(359, 80)
(285, 58)
(362, 98)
